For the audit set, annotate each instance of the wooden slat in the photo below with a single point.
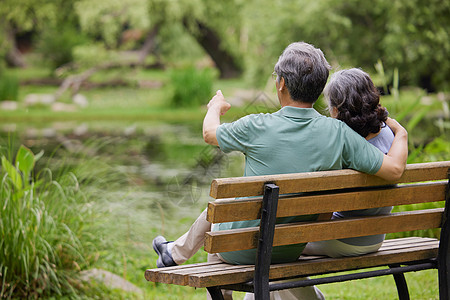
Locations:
(318, 266)
(164, 274)
(286, 234)
(184, 274)
(250, 209)
(182, 277)
(319, 181)
(405, 242)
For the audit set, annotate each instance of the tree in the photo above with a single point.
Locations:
(418, 42)
(412, 36)
(21, 16)
(215, 25)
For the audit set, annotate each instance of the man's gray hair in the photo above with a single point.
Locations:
(305, 71)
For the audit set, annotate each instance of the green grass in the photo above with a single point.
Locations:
(42, 221)
(422, 285)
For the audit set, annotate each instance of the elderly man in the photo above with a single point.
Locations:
(294, 139)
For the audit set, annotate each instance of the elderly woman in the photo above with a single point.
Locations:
(353, 98)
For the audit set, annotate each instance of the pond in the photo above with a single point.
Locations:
(144, 174)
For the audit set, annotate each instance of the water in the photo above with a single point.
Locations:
(157, 174)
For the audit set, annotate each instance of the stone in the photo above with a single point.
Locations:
(39, 99)
(128, 131)
(81, 129)
(110, 280)
(59, 106)
(8, 105)
(80, 100)
(10, 127)
(31, 99)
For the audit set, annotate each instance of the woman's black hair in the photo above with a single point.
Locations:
(357, 101)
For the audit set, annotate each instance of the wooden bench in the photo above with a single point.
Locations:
(321, 192)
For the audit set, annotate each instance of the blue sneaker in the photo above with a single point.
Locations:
(165, 258)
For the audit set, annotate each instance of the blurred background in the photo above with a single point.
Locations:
(101, 108)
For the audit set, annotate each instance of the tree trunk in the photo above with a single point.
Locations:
(210, 42)
(149, 45)
(14, 57)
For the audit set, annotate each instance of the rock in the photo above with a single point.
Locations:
(31, 133)
(109, 279)
(59, 106)
(48, 133)
(80, 100)
(31, 99)
(81, 129)
(39, 99)
(8, 105)
(47, 99)
(130, 130)
(9, 127)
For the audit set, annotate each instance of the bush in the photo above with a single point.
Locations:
(9, 87)
(41, 224)
(56, 44)
(192, 87)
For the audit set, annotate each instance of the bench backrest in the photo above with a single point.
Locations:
(325, 192)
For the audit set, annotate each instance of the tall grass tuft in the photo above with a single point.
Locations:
(41, 223)
(9, 86)
(191, 87)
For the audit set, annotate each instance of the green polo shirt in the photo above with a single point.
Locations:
(292, 140)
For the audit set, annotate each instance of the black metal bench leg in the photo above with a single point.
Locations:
(444, 248)
(266, 234)
(215, 293)
(402, 286)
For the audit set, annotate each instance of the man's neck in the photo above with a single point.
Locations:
(290, 102)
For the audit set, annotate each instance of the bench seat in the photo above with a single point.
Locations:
(395, 251)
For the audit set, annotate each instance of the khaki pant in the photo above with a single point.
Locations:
(189, 243)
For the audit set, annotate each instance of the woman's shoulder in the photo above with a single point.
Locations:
(384, 139)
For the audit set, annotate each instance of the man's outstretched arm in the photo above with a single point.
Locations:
(394, 162)
(217, 106)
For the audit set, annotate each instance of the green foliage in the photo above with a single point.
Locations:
(41, 223)
(27, 15)
(417, 41)
(105, 20)
(9, 86)
(412, 36)
(437, 150)
(191, 87)
(57, 44)
(170, 37)
(91, 54)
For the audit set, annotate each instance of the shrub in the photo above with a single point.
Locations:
(56, 44)
(9, 87)
(41, 223)
(191, 87)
